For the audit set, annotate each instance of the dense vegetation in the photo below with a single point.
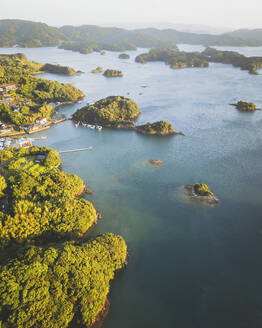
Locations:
(124, 56)
(82, 47)
(112, 73)
(28, 34)
(89, 38)
(40, 199)
(28, 101)
(60, 284)
(157, 128)
(250, 64)
(173, 58)
(86, 47)
(202, 189)
(244, 106)
(58, 69)
(46, 281)
(109, 111)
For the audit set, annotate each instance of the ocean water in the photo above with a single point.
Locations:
(190, 265)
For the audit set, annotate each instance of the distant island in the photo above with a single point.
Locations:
(58, 69)
(60, 278)
(97, 70)
(113, 111)
(124, 56)
(250, 64)
(180, 59)
(243, 106)
(202, 193)
(28, 103)
(160, 128)
(113, 73)
(175, 59)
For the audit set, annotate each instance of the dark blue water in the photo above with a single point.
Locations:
(190, 266)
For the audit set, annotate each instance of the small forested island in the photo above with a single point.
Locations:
(112, 73)
(97, 70)
(49, 274)
(160, 128)
(58, 69)
(124, 56)
(250, 64)
(244, 106)
(87, 47)
(113, 111)
(174, 58)
(28, 102)
(201, 192)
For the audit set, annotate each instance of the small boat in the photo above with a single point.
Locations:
(92, 127)
(98, 127)
(77, 124)
(84, 125)
(88, 126)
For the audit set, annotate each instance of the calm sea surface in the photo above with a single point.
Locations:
(190, 266)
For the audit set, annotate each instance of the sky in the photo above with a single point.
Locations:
(218, 13)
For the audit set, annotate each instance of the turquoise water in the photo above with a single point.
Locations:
(190, 266)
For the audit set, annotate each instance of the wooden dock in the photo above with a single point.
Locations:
(75, 150)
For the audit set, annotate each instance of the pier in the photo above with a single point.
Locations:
(75, 150)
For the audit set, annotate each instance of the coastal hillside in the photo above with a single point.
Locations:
(28, 34)
(34, 34)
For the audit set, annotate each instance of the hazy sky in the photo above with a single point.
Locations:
(224, 13)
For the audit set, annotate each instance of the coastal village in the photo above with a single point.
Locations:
(9, 130)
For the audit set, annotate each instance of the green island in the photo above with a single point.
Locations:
(250, 64)
(113, 73)
(160, 128)
(119, 112)
(175, 59)
(58, 69)
(202, 193)
(112, 111)
(27, 103)
(180, 59)
(50, 275)
(244, 106)
(97, 70)
(124, 56)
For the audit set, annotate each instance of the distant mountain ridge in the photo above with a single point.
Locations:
(34, 34)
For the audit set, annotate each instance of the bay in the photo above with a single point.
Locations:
(190, 266)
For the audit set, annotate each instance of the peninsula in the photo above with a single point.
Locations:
(250, 64)
(59, 277)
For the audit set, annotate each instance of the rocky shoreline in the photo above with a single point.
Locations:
(208, 200)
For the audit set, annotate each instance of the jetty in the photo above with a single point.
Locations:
(75, 150)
